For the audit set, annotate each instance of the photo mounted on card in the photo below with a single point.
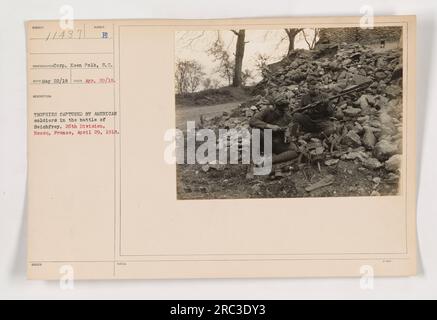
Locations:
(277, 147)
(324, 105)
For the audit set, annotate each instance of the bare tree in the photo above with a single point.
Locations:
(311, 42)
(292, 33)
(230, 68)
(207, 83)
(261, 63)
(190, 38)
(188, 76)
(246, 75)
(239, 55)
(221, 55)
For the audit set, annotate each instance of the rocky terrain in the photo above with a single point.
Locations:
(363, 156)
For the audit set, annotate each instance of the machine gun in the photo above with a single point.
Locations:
(349, 90)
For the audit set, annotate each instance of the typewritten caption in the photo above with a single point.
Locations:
(74, 123)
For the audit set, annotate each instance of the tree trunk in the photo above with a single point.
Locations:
(292, 33)
(291, 44)
(239, 55)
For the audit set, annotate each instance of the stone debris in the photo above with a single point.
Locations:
(372, 163)
(394, 163)
(368, 123)
(326, 181)
(384, 149)
(331, 162)
(377, 180)
(369, 139)
(352, 139)
(393, 91)
(363, 119)
(392, 178)
(355, 155)
(351, 111)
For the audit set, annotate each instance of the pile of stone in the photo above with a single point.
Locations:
(369, 122)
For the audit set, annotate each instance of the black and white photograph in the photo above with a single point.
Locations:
(224, 157)
(329, 101)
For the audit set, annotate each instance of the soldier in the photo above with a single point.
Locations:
(277, 119)
(316, 119)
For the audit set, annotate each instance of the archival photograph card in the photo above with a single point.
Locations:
(238, 148)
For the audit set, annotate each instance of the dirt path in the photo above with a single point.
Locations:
(184, 114)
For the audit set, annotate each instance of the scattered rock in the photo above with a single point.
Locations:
(352, 139)
(363, 103)
(352, 112)
(355, 155)
(384, 149)
(326, 181)
(363, 119)
(380, 75)
(372, 163)
(394, 163)
(392, 178)
(217, 166)
(339, 114)
(393, 91)
(369, 139)
(377, 180)
(331, 162)
(280, 174)
(358, 128)
(317, 151)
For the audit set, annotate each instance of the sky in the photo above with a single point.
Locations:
(194, 45)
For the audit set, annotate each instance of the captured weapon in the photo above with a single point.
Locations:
(286, 130)
(349, 90)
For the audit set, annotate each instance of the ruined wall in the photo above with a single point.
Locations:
(363, 36)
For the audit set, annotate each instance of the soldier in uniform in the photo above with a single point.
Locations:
(277, 119)
(316, 119)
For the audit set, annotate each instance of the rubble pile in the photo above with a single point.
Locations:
(368, 123)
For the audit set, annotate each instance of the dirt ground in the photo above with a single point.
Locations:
(211, 97)
(193, 113)
(350, 179)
